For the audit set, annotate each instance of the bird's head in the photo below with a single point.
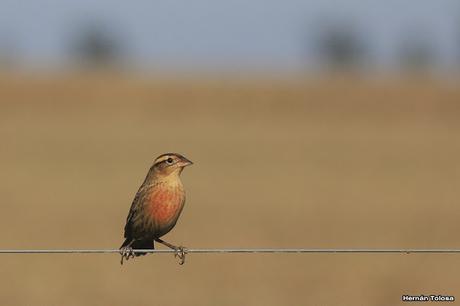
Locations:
(170, 163)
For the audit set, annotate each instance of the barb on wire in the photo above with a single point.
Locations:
(231, 250)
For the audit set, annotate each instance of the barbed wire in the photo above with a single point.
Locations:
(232, 251)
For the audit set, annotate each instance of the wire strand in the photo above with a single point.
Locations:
(232, 251)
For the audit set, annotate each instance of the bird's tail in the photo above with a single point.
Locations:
(138, 245)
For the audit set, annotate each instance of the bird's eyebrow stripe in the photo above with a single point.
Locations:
(161, 159)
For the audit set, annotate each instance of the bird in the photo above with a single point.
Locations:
(156, 207)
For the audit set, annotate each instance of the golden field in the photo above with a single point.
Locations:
(329, 163)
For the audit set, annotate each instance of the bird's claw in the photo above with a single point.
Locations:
(126, 253)
(180, 253)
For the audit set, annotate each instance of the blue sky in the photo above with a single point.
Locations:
(228, 34)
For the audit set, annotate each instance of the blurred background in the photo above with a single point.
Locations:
(313, 124)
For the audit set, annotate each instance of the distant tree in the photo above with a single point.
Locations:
(8, 52)
(96, 46)
(416, 53)
(338, 46)
(458, 41)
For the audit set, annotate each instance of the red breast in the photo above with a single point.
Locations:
(165, 204)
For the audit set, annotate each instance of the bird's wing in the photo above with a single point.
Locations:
(134, 211)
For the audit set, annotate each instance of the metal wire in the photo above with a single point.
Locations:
(231, 251)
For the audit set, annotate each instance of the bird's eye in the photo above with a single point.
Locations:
(169, 161)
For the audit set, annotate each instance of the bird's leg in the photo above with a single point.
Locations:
(180, 250)
(127, 252)
(169, 245)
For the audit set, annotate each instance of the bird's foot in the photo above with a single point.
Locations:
(180, 253)
(126, 253)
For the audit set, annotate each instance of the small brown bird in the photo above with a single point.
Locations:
(156, 207)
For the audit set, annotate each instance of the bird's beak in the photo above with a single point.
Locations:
(184, 162)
